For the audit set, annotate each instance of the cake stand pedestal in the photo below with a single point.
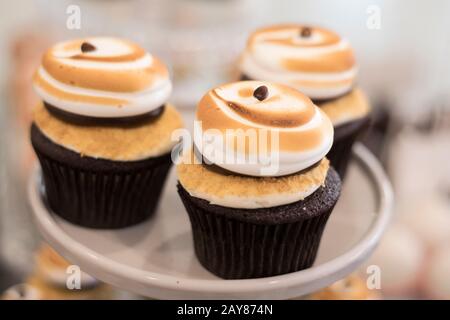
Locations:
(156, 258)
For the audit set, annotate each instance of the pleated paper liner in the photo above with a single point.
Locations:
(98, 193)
(254, 243)
(345, 137)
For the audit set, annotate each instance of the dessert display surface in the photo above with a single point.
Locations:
(156, 258)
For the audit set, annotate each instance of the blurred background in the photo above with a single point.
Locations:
(404, 68)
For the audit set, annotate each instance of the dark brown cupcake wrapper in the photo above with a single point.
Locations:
(98, 193)
(238, 249)
(345, 137)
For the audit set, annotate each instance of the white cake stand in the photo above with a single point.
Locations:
(156, 258)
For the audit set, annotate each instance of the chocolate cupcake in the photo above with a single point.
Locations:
(320, 64)
(256, 184)
(103, 131)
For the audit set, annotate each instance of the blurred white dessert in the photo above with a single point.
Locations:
(354, 287)
(436, 280)
(50, 279)
(399, 256)
(429, 218)
(26, 49)
(52, 268)
(22, 291)
(418, 164)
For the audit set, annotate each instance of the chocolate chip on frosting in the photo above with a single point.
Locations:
(316, 61)
(305, 32)
(277, 120)
(132, 81)
(87, 47)
(261, 93)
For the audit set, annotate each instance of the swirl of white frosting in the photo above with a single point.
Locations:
(280, 133)
(102, 77)
(313, 60)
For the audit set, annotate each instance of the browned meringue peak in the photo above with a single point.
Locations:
(302, 131)
(315, 60)
(102, 77)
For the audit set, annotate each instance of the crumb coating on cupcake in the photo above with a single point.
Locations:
(238, 191)
(119, 143)
(349, 107)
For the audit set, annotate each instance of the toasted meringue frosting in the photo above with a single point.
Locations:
(279, 133)
(314, 60)
(102, 77)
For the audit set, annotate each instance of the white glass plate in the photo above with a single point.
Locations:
(156, 258)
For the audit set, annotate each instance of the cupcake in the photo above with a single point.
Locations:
(320, 64)
(256, 184)
(102, 132)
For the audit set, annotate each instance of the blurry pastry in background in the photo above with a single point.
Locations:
(424, 154)
(400, 257)
(51, 292)
(436, 280)
(319, 63)
(52, 268)
(353, 287)
(26, 50)
(429, 217)
(22, 291)
(50, 279)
